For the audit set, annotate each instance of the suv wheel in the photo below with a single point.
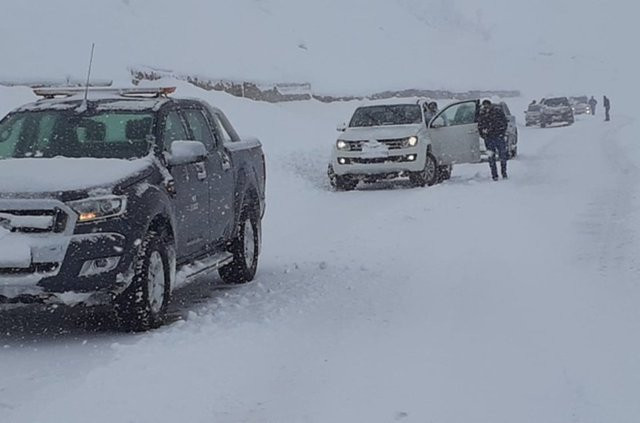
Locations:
(428, 176)
(245, 248)
(341, 183)
(444, 172)
(144, 304)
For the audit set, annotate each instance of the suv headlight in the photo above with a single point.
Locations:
(342, 145)
(412, 141)
(97, 208)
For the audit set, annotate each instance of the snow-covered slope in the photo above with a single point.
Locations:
(341, 47)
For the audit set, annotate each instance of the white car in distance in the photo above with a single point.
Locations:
(386, 141)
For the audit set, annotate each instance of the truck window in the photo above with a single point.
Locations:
(200, 128)
(224, 135)
(173, 130)
(458, 114)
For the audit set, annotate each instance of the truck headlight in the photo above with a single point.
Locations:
(97, 208)
(412, 141)
(342, 145)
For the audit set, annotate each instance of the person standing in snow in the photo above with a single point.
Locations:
(593, 103)
(607, 107)
(492, 124)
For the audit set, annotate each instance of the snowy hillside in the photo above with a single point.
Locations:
(354, 47)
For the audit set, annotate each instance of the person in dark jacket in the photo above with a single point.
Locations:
(593, 103)
(492, 124)
(607, 107)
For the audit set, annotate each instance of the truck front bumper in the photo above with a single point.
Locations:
(393, 164)
(74, 269)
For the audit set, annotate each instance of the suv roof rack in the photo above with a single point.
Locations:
(125, 92)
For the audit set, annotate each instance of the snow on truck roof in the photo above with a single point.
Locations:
(107, 98)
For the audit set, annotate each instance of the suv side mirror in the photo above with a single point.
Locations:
(342, 127)
(185, 152)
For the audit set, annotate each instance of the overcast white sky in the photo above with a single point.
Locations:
(338, 45)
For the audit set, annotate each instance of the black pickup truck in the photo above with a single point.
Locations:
(119, 197)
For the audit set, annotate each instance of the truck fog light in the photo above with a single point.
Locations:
(411, 157)
(342, 160)
(97, 266)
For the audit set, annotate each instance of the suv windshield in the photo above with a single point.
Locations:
(401, 114)
(100, 134)
(556, 102)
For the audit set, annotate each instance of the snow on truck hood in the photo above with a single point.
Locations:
(381, 132)
(65, 174)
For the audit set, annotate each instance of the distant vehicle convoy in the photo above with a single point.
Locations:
(555, 110)
(387, 141)
(118, 199)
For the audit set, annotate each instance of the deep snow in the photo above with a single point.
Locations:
(467, 301)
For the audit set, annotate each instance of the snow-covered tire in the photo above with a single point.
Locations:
(144, 304)
(444, 172)
(341, 183)
(245, 248)
(428, 176)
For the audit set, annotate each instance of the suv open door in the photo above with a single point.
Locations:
(454, 133)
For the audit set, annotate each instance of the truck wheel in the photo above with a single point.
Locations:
(428, 176)
(245, 248)
(144, 304)
(444, 172)
(341, 183)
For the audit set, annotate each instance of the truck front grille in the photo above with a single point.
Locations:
(34, 268)
(394, 144)
(34, 221)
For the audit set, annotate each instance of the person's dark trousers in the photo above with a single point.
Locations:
(497, 145)
(607, 117)
(593, 110)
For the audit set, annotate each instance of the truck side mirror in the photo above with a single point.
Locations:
(342, 127)
(185, 152)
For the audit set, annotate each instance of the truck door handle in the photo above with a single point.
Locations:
(201, 171)
(226, 162)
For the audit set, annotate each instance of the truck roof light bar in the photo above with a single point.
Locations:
(125, 92)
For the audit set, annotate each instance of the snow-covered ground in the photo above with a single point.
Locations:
(467, 301)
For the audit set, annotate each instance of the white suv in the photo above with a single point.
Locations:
(393, 140)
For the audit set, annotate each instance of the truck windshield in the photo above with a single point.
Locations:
(401, 114)
(68, 133)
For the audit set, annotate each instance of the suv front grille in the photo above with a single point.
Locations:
(394, 144)
(355, 145)
(34, 221)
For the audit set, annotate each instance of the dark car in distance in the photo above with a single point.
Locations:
(120, 197)
(556, 110)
